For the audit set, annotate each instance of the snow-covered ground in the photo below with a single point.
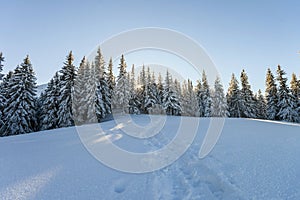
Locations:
(253, 159)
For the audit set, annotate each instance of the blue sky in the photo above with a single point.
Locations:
(236, 34)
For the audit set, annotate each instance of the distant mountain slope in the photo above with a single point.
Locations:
(41, 88)
(252, 160)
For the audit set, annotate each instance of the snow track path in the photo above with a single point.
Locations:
(192, 178)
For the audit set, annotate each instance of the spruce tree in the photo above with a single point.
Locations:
(271, 97)
(142, 89)
(80, 103)
(111, 79)
(92, 96)
(102, 87)
(150, 94)
(20, 109)
(219, 104)
(121, 92)
(199, 94)
(260, 105)
(295, 94)
(248, 109)
(189, 100)
(233, 98)
(1, 65)
(287, 108)
(170, 101)
(204, 97)
(159, 89)
(2, 98)
(4, 95)
(68, 75)
(134, 102)
(49, 104)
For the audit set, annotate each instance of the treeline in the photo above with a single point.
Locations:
(91, 93)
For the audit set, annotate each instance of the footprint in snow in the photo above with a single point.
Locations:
(120, 186)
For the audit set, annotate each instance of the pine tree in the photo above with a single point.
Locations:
(4, 94)
(40, 109)
(2, 98)
(134, 102)
(260, 105)
(295, 90)
(295, 94)
(150, 96)
(110, 79)
(159, 89)
(170, 101)
(177, 87)
(20, 110)
(248, 109)
(102, 87)
(49, 104)
(92, 95)
(121, 92)
(287, 108)
(68, 75)
(271, 97)
(84, 96)
(1, 65)
(199, 94)
(219, 104)
(204, 97)
(189, 100)
(233, 98)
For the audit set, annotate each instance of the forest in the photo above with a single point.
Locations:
(91, 93)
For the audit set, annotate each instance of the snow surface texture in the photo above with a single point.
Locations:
(254, 159)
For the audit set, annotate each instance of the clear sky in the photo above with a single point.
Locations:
(236, 34)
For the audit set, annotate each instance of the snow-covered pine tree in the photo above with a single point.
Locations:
(271, 96)
(121, 94)
(185, 99)
(150, 95)
(20, 111)
(103, 87)
(79, 103)
(287, 107)
(4, 95)
(67, 78)
(91, 97)
(111, 79)
(295, 93)
(295, 90)
(189, 100)
(177, 87)
(39, 108)
(260, 105)
(248, 109)
(170, 100)
(159, 89)
(233, 98)
(1, 65)
(219, 104)
(134, 102)
(204, 97)
(199, 94)
(2, 98)
(48, 118)
(142, 89)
